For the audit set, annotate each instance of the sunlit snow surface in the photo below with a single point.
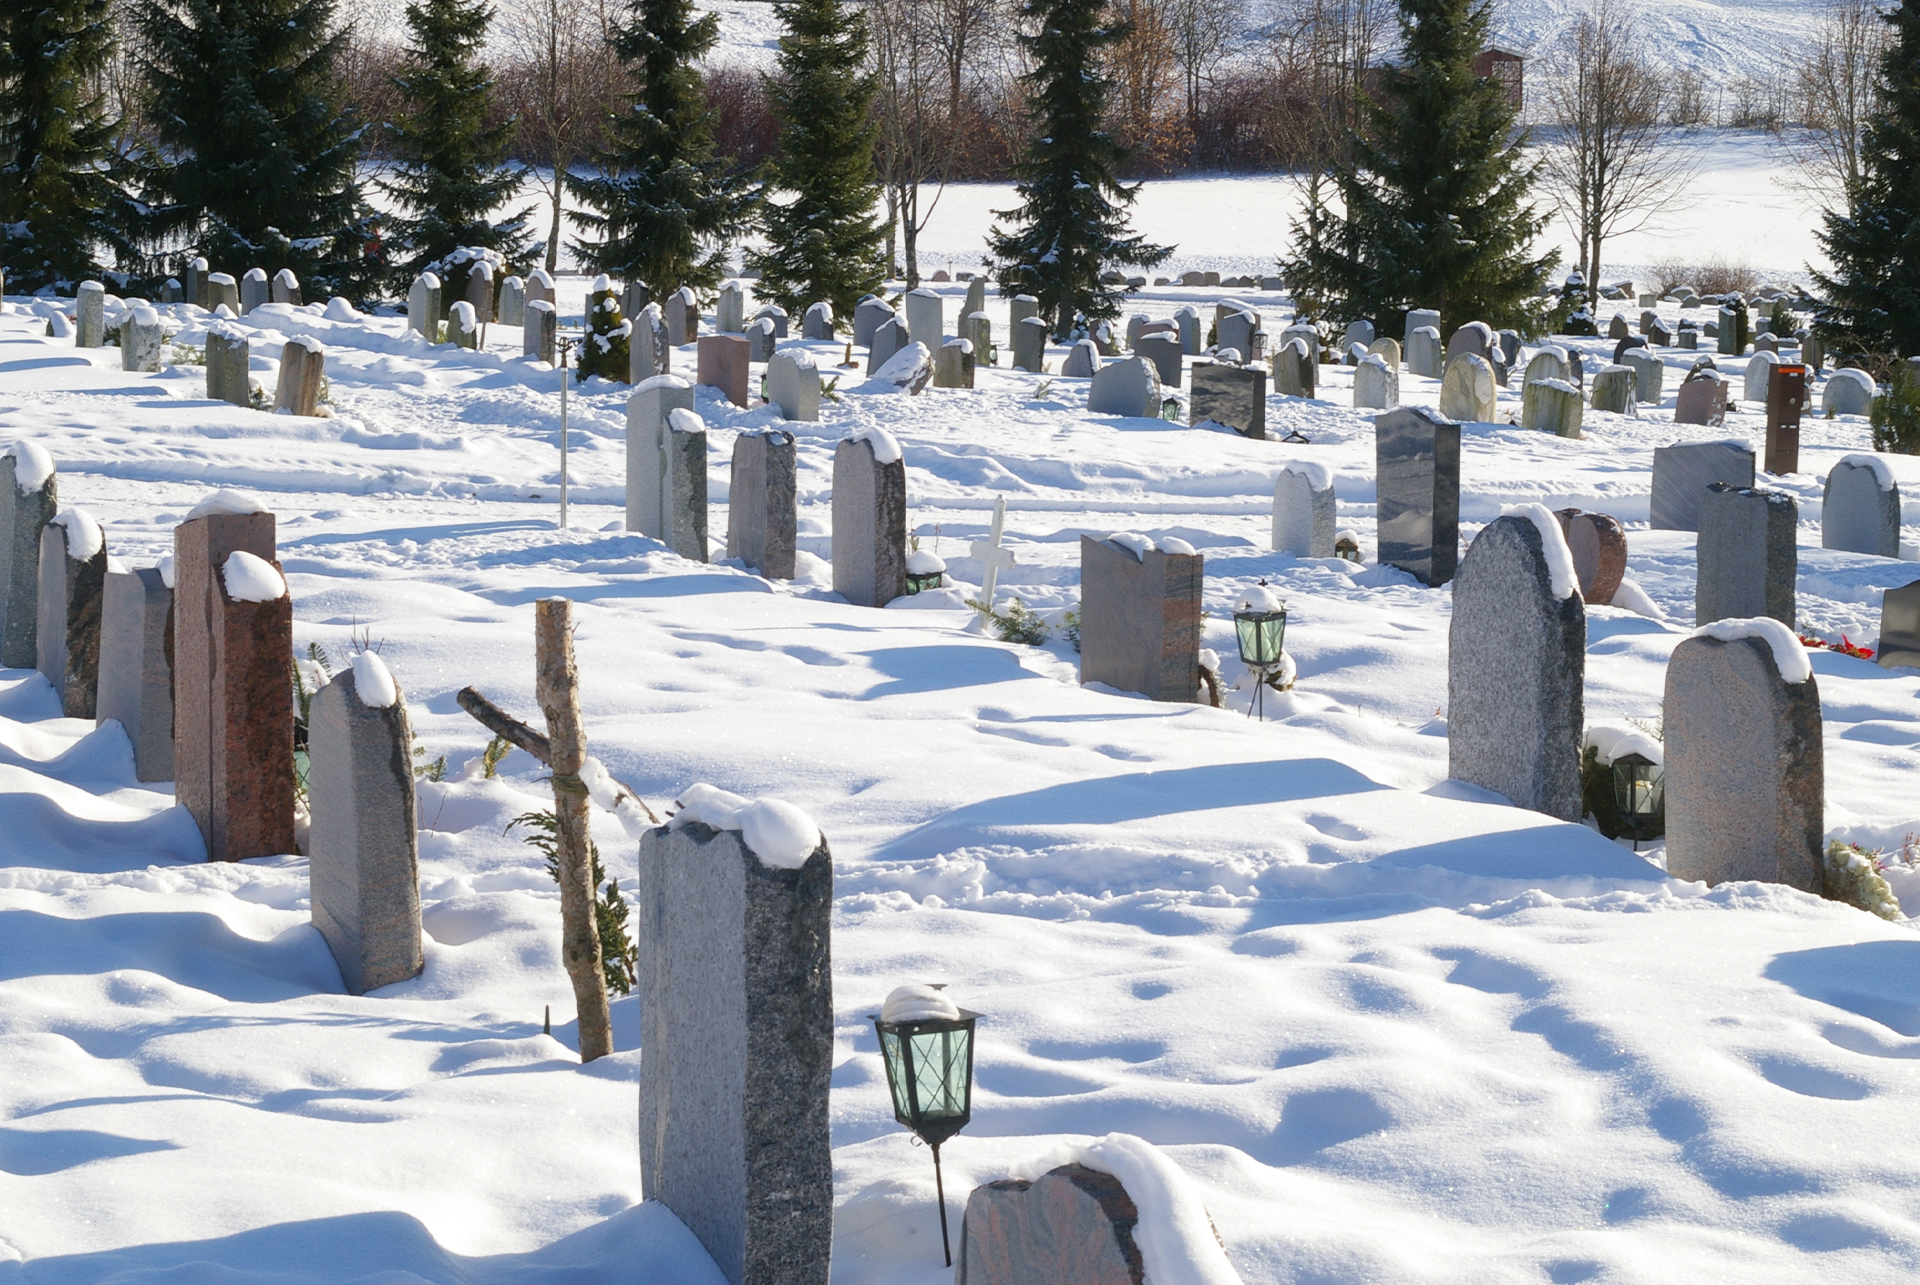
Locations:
(1396, 1030)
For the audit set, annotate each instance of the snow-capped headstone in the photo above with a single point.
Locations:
(286, 288)
(1599, 546)
(540, 286)
(1082, 361)
(1387, 349)
(684, 493)
(1357, 332)
(1899, 644)
(1746, 558)
(170, 291)
(254, 290)
(1702, 399)
(1649, 376)
(1849, 391)
(682, 316)
(1131, 386)
(141, 338)
(1295, 368)
(793, 384)
(1551, 405)
(1376, 385)
(363, 844)
(512, 303)
(648, 409)
(1136, 326)
(1626, 345)
(1745, 775)
(889, 337)
(233, 721)
(1516, 666)
(540, 331)
(228, 378)
(736, 1004)
(1020, 307)
(926, 317)
(1861, 508)
(730, 313)
(223, 292)
(29, 498)
(1615, 389)
(1683, 472)
(194, 288)
(762, 520)
(1140, 618)
(1187, 319)
(1424, 355)
(1759, 371)
(1417, 318)
(479, 290)
(423, 307)
(908, 371)
(136, 667)
(761, 339)
(303, 364)
(1304, 514)
(977, 329)
(868, 316)
(869, 520)
(1475, 337)
(1029, 344)
(463, 325)
(722, 364)
(1236, 329)
(90, 315)
(817, 323)
(1163, 350)
(953, 365)
(1466, 391)
(73, 575)
(1417, 485)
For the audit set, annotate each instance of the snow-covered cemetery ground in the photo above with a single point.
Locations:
(1393, 1028)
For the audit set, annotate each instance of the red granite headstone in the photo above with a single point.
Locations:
(1599, 546)
(723, 365)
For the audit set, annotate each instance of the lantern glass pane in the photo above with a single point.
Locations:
(892, 1054)
(1260, 634)
(940, 1072)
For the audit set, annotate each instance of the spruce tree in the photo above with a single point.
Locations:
(58, 206)
(1873, 291)
(1436, 193)
(253, 163)
(1072, 214)
(824, 242)
(665, 207)
(450, 177)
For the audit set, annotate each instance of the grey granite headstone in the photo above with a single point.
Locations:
(1683, 472)
(761, 515)
(1082, 361)
(363, 844)
(1516, 671)
(761, 339)
(869, 525)
(1235, 330)
(195, 287)
(634, 298)
(648, 351)
(1475, 337)
(1745, 772)
(141, 338)
(1614, 389)
(423, 306)
(684, 494)
(777, 315)
(926, 317)
(24, 513)
(1417, 483)
(1070, 1226)
(1020, 307)
(1416, 318)
(1899, 643)
(868, 317)
(1857, 513)
(223, 292)
(1295, 369)
(1849, 391)
(889, 337)
(1376, 385)
(512, 304)
(1131, 386)
(953, 365)
(1140, 620)
(817, 322)
(683, 317)
(1621, 349)
(737, 1025)
(228, 365)
(1424, 356)
(1304, 519)
(1746, 557)
(1649, 373)
(90, 315)
(1466, 392)
(540, 331)
(1551, 406)
(67, 645)
(136, 667)
(793, 384)
(1357, 332)
(480, 290)
(1188, 321)
(1163, 350)
(648, 466)
(254, 290)
(730, 313)
(1029, 344)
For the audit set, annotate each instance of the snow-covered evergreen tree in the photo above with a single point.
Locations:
(59, 204)
(665, 208)
(450, 177)
(1071, 225)
(255, 150)
(823, 241)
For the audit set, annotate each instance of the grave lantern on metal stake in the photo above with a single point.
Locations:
(926, 1042)
(566, 347)
(1640, 797)
(1260, 626)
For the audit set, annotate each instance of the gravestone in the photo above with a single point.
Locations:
(1187, 319)
(793, 384)
(512, 305)
(1029, 344)
(136, 667)
(463, 325)
(1687, 337)
(1516, 666)
(1759, 371)
(1387, 350)
(977, 329)
(423, 306)
(817, 323)
(1860, 510)
(634, 297)
(1423, 353)
(683, 492)
(761, 515)
(540, 331)
(170, 291)
(222, 292)
(233, 722)
(1621, 349)
(1549, 363)
(1551, 406)
(1130, 386)
(254, 290)
(1614, 388)
(1417, 485)
(1137, 326)
(362, 841)
(1163, 350)
(953, 365)
(90, 315)
(228, 358)
(868, 317)
(1376, 385)
(1475, 337)
(195, 289)
(1683, 472)
(1848, 392)
(141, 338)
(1467, 391)
(1082, 361)
(1745, 776)
(1020, 307)
(736, 1004)
(869, 521)
(1357, 332)
(1899, 644)
(1294, 369)
(722, 364)
(1660, 334)
(1599, 546)
(1727, 332)
(1416, 318)
(1746, 556)
(976, 300)
(649, 465)
(303, 363)
(774, 313)
(1764, 342)
(683, 317)
(1140, 619)
(730, 313)
(761, 339)
(1702, 399)
(1812, 351)
(1303, 511)
(540, 286)
(889, 337)
(1618, 327)
(29, 498)
(1236, 330)
(1649, 376)
(1070, 1226)
(73, 576)
(479, 291)
(910, 371)
(926, 318)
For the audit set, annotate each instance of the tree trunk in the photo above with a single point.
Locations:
(553, 236)
(557, 687)
(910, 230)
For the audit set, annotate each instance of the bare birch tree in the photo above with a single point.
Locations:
(1202, 32)
(1835, 80)
(562, 81)
(916, 143)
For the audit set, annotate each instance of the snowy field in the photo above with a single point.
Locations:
(1395, 1029)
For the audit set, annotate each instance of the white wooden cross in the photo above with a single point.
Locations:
(991, 555)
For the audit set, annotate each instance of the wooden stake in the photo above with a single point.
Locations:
(557, 687)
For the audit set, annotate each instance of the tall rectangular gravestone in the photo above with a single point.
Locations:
(1747, 557)
(1861, 508)
(1417, 485)
(683, 317)
(736, 1003)
(1683, 472)
(423, 307)
(233, 721)
(1516, 666)
(648, 351)
(229, 377)
(540, 331)
(73, 577)
(29, 498)
(1140, 618)
(1304, 514)
(685, 491)
(286, 287)
(1029, 344)
(1234, 396)
(136, 667)
(762, 520)
(364, 841)
(869, 521)
(648, 467)
(926, 317)
(90, 315)
(1899, 644)
(722, 364)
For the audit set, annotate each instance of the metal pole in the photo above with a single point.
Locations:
(566, 346)
(940, 1188)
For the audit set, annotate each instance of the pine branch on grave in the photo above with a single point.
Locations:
(619, 955)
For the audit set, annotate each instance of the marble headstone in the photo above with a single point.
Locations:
(1861, 508)
(1304, 513)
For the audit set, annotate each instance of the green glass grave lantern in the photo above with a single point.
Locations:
(930, 1072)
(1261, 634)
(932, 571)
(1640, 797)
